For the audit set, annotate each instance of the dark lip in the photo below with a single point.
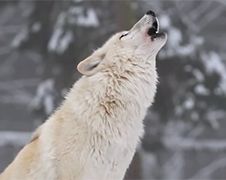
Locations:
(154, 28)
(153, 31)
(158, 35)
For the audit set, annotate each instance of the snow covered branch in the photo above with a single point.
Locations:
(176, 143)
(211, 168)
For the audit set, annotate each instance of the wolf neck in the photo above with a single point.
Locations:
(112, 100)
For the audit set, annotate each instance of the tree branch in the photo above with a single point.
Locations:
(176, 143)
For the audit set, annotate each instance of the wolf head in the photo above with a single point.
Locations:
(136, 47)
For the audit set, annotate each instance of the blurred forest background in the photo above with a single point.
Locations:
(41, 43)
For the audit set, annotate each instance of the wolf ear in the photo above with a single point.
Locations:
(89, 66)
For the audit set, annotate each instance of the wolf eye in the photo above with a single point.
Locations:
(123, 35)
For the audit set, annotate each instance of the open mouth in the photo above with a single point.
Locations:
(153, 31)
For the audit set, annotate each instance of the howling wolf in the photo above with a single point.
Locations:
(94, 133)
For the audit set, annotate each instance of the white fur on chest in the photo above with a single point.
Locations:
(108, 158)
(102, 125)
(111, 139)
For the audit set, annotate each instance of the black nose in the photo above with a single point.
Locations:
(150, 12)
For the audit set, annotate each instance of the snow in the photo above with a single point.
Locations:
(36, 27)
(60, 41)
(189, 103)
(83, 17)
(214, 116)
(88, 20)
(19, 38)
(201, 90)
(61, 37)
(178, 143)
(53, 43)
(55, 39)
(66, 40)
(174, 42)
(176, 138)
(165, 21)
(48, 104)
(190, 48)
(45, 96)
(175, 38)
(148, 162)
(214, 64)
(186, 50)
(76, 10)
(198, 74)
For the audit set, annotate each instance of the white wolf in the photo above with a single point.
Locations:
(94, 133)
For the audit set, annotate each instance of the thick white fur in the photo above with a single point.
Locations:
(94, 133)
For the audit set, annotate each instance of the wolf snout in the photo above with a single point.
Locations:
(150, 25)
